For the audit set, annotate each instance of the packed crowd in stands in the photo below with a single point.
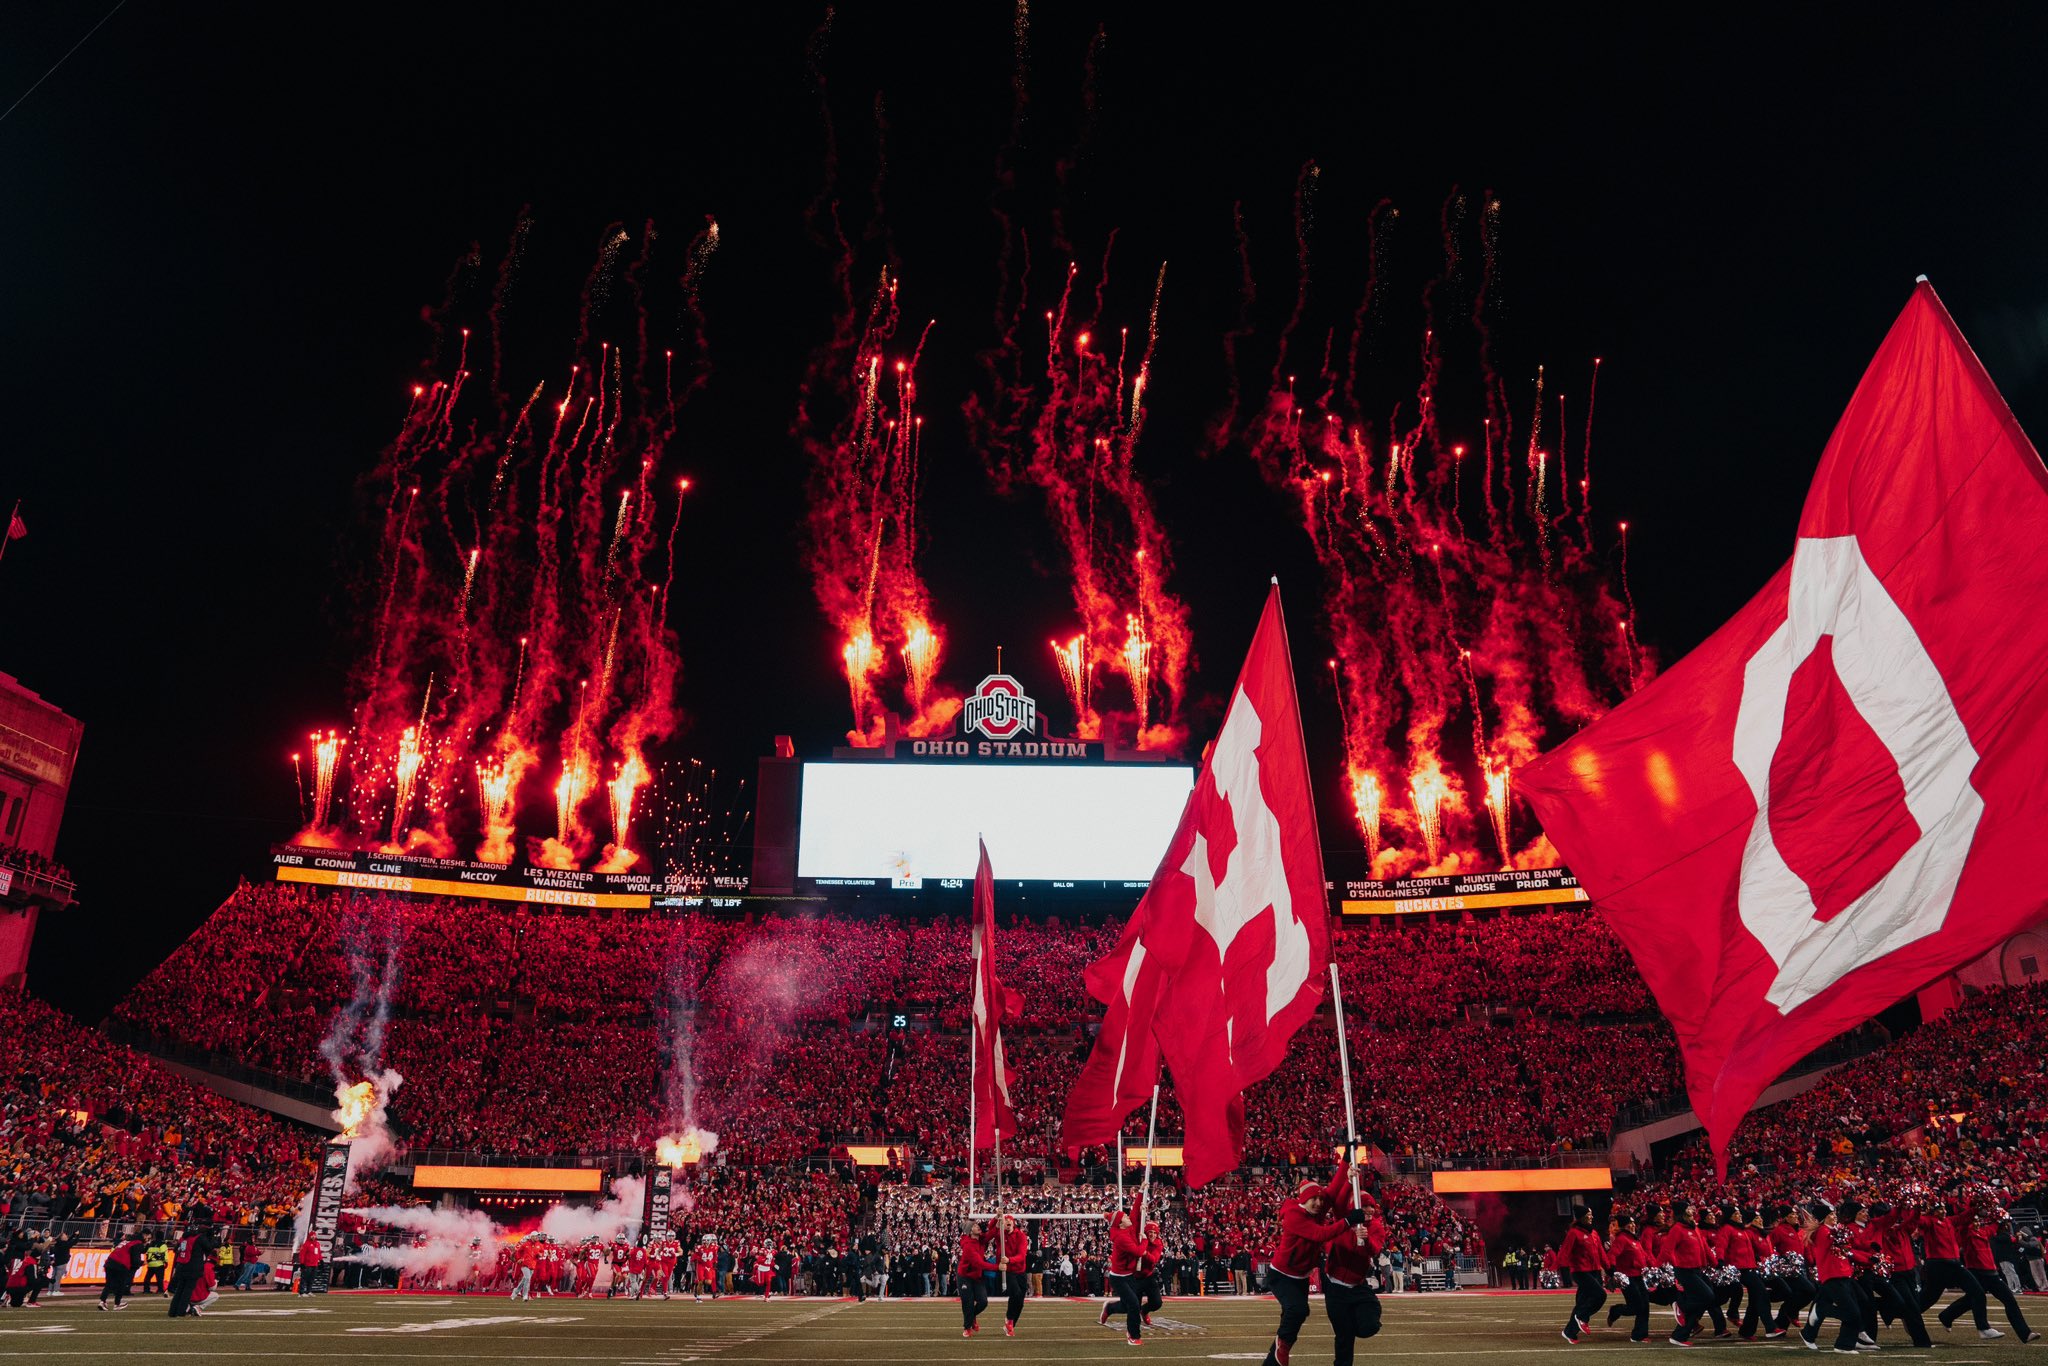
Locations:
(1960, 1101)
(91, 1130)
(28, 861)
(512, 1026)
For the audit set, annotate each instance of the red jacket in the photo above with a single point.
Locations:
(1625, 1255)
(1942, 1243)
(973, 1258)
(1124, 1251)
(1008, 1249)
(1737, 1250)
(1835, 1256)
(1976, 1243)
(1790, 1240)
(1351, 1260)
(1581, 1251)
(1303, 1236)
(1686, 1247)
(1895, 1238)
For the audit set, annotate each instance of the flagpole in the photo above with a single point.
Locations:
(1151, 1142)
(1350, 1114)
(973, 1049)
(1119, 1168)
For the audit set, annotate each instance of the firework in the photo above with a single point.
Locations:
(1068, 421)
(1368, 802)
(863, 660)
(326, 757)
(1496, 779)
(632, 775)
(1428, 790)
(570, 790)
(495, 785)
(1453, 611)
(299, 785)
(353, 1105)
(920, 661)
(521, 556)
(1075, 668)
(406, 773)
(1136, 661)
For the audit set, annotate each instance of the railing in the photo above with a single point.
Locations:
(219, 1064)
(29, 881)
(1863, 1040)
(1424, 1163)
(91, 1231)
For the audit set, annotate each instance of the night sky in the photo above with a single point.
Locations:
(220, 225)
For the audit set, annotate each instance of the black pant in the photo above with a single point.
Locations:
(973, 1299)
(1837, 1300)
(1586, 1304)
(1130, 1300)
(1993, 1284)
(1145, 1285)
(1016, 1285)
(119, 1280)
(184, 1284)
(1696, 1295)
(1354, 1312)
(1950, 1274)
(1635, 1300)
(1758, 1302)
(153, 1281)
(1800, 1291)
(1903, 1300)
(1292, 1293)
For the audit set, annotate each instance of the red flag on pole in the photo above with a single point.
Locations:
(994, 1003)
(1226, 955)
(1843, 793)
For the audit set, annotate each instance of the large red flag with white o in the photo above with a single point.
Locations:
(1226, 955)
(1843, 793)
(994, 1005)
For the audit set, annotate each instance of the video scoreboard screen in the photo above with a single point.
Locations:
(1084, 827)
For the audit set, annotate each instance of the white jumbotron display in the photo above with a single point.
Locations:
(1043, 822)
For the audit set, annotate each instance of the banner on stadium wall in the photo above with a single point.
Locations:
(660, 1187)
(498, 882)
(1465, 892)
(327, 1210)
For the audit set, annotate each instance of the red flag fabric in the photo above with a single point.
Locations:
(1843, 793)
(994, 1004)
(1227, 953)
(16, 528)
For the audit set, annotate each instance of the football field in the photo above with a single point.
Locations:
(350, 1328)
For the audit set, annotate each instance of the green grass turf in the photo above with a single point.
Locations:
(1442, 1330)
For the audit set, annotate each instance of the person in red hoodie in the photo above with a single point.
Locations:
(1349, 1265)
(972, 1267)
(1974, 1230)
(1835, 1260)
(1582, 1260)
(1305, 1229)
(1686, 1249)
(1628, 1261)
(1126, 1253)
(1745, 1248)
(1899, 1291)
(1792, 1249)
(1945, 1270)
(1010, 1248)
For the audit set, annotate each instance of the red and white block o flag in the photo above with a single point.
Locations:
(1843, 793)
(1226, 955)
(994, 1004)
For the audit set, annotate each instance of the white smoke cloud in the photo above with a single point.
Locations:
(445, 1237)
(618, 1217)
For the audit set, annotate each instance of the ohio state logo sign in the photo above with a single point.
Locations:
(999, 708)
